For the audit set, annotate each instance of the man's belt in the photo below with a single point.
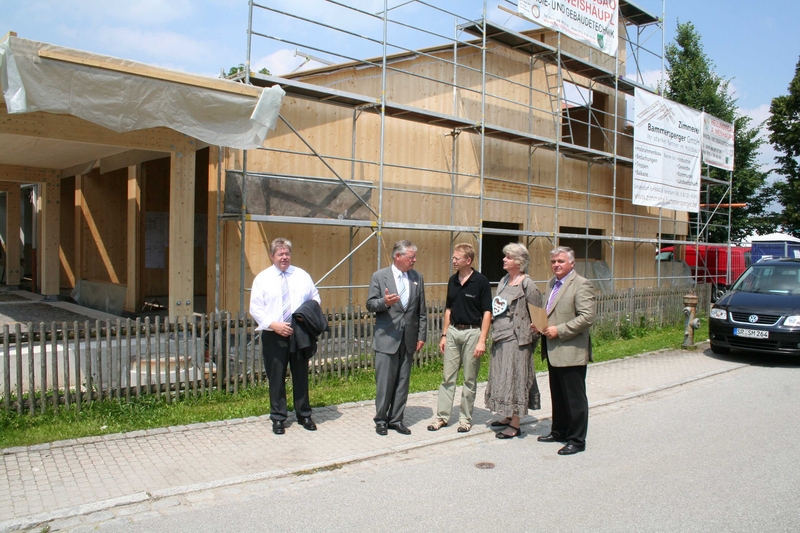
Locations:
(465, 326)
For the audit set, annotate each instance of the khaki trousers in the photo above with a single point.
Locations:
(458, 353)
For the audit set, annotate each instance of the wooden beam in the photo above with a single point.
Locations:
(181, 231)
(69, 128)
(80, 216)
(133, 292)
(211, 232)
(50, 243)
(20, 174)
(147, 71)
(13, 247)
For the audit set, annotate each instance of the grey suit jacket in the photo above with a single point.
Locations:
(393, 324)
(572, 313)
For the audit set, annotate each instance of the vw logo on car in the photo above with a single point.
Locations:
(753, 319)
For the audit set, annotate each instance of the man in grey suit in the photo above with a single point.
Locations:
(397, 297)
(568, 348)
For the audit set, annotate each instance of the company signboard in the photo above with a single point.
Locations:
(593, 22)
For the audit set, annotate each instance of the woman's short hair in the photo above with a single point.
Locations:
(519, 254)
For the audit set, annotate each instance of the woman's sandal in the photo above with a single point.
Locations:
(504, 435)
(501, 423)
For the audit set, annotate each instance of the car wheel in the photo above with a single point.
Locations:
(721, 350)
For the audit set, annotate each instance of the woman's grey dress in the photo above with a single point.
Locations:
(511, 371)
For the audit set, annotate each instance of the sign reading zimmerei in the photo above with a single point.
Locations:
(593, 22)
(667, 138)
(717, 142)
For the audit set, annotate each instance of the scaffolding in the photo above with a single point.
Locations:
(568, 106)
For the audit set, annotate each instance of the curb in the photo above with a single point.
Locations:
(145, 497)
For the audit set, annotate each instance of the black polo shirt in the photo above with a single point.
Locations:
(468, 302)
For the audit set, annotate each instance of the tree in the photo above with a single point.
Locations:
(784, 127)
(233, 71)
(693, 82)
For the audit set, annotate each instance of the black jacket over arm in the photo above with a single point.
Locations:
(308, 323)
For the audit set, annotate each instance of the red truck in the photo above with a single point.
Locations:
(713, 265)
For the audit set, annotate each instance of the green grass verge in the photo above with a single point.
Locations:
(146, 413)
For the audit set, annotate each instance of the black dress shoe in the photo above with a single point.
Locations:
(381, 428)
(278, 428)
(571, 449)
(550, 438)
(307, 423)
(400, 428)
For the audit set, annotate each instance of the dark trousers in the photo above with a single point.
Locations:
(392, 379)
(276, 359)
(570, 404)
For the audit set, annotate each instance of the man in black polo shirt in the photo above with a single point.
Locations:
(467, 318)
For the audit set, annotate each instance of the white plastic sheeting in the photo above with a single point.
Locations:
(125, 102)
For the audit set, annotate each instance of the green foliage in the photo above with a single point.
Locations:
(233, 71)
(693, 82)
(784, 127)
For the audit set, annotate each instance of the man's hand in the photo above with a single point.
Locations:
(284, 329)
(420, 344)
(480, 349)
(551, 332)
(390, 299)
(442, 343)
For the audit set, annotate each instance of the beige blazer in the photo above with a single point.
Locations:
(573, 314)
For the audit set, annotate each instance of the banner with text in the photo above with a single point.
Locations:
(667, 138)
(593, 22)
(717, 142)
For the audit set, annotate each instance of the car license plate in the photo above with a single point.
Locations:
(751, 333)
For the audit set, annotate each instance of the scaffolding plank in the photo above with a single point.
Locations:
(523, 43)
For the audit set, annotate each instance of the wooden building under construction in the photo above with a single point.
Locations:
(491, 137)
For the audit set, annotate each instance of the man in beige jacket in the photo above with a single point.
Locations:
(568, 348)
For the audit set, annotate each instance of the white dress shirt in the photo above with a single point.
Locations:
(396, 273)
(266, 298)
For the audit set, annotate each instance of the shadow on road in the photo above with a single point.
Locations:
(762, 360)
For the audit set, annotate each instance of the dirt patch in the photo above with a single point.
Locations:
(36, 312)
(8, 297)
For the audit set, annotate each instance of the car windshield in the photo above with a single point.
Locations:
(773, 279)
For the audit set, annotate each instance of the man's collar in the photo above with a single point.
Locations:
(396, 271)
(565, 277)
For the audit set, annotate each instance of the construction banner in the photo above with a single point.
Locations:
(717, 142)
(667, 138)
(593, 22)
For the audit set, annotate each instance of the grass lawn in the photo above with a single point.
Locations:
(111, 416)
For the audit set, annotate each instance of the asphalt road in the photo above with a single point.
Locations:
(719, 454)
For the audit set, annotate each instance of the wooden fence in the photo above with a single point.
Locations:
(69, 365)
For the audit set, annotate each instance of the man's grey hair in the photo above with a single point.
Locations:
(402, 248)
(519, 254)
(280, 242)
(563, 250)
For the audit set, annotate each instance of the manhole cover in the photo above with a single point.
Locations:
(485, 466)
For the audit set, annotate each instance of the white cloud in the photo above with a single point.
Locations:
(176, 47)
(278, 63)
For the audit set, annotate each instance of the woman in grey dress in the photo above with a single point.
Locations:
(511, 372)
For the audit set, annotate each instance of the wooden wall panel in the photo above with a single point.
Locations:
(104, 235)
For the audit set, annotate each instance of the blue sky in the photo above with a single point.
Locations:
(756, 45)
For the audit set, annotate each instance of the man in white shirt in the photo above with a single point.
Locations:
(277, 292)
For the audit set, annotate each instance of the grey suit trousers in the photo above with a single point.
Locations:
(393, 377)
